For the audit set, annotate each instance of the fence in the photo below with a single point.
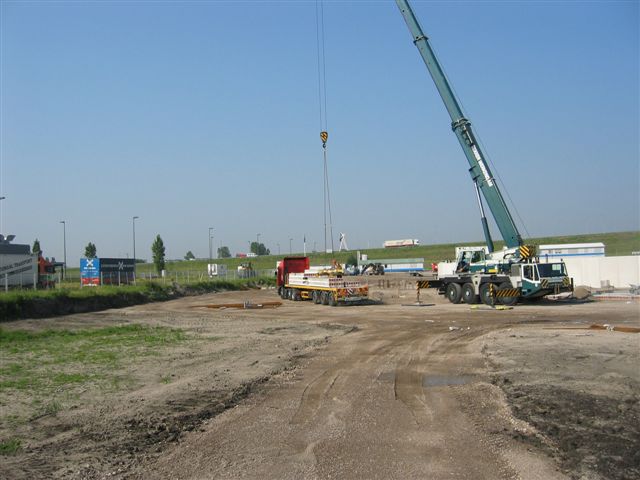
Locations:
(23, 280)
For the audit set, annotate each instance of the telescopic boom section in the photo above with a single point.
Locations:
(479, 169)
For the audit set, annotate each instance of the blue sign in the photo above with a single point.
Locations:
(90, 271)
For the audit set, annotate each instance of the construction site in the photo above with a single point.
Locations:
(263, 388)
(513, 357)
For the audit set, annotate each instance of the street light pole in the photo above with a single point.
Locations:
(134, 249)
(278, 248)
(64, 243)
(258, 243)
(1, 198)
(290, 250)
(210, 247)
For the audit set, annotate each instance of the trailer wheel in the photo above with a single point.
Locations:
(296, 295)
(332, 299)
(454, 292)
(485, 294)
(324, 296)
(315, 296)
(508, 301)
(469, 294)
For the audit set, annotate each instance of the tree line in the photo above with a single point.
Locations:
(158, 252)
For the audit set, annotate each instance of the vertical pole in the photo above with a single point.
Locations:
(64, 241)
(210, 247)
(134, 249)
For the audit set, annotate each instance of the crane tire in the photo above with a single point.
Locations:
(469, 294)
(454, 292)
(508, 301)
(485, 294)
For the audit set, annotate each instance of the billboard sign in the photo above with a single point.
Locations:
(110, 265)
(90, 271)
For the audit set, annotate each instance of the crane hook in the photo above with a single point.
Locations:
(324, 136)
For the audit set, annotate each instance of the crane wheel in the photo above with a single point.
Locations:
(469, 294)
(508, 301)
(485, 294)
(454, 292)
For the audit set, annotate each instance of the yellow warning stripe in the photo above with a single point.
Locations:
(544, 283)
(527, 251)
(508, 292)
(422, 284)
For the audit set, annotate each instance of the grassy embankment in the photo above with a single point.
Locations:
(17, 304)
(619, 243)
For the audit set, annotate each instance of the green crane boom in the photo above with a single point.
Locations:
(479, 169)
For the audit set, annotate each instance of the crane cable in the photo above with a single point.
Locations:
(322, 103)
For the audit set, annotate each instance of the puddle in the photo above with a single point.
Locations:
(444, 380)
(387, 377)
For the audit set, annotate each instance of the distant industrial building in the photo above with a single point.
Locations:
(564, 250)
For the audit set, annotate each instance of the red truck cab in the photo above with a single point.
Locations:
(290, 265)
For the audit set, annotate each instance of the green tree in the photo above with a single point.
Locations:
(90, 251)
(223, 252)
(189, 256)
(158, 250)
(259, 249)
(36, 247)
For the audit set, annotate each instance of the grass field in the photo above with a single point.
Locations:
(42, 372)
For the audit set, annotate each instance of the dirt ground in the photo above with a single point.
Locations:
(364, 392)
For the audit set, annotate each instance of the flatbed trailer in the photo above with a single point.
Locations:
(296, 281)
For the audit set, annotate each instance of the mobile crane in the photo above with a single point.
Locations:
(482, 273)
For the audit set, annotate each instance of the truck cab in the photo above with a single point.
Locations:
(539, 279)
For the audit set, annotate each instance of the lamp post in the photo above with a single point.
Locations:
(64, 243)
(258, 243)
(210, 247)
(1, 198)
(278, 248)
(290, 250)
(133, 221)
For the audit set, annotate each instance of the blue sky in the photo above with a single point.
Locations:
(193, 115)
